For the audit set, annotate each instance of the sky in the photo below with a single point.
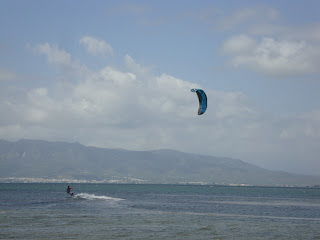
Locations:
(118, 74)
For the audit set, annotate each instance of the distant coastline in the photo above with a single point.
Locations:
(37, 161)
(131, 181)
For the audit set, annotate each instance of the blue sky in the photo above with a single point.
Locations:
(118, 74)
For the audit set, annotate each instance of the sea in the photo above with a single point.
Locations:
(146, 211)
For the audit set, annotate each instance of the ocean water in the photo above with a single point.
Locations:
(115, 211)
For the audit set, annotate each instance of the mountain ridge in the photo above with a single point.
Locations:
(39, 158)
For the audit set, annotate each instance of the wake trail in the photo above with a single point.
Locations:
(88, 196)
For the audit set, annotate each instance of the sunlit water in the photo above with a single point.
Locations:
(112, 211)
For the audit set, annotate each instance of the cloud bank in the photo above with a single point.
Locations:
(271, 57)
(131, 107)
(262, 44)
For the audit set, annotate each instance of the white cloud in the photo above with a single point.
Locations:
(272, 57)
(232, 105)
(263, 43)
(241, 44)
(54, 54)
(96, 47)
(140, 70)
(60, 58)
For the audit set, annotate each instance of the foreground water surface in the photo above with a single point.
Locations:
(124, 211)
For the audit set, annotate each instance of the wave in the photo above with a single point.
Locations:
(88, 196)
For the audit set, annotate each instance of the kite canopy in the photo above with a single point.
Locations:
(202, 100)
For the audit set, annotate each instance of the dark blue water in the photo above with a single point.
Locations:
(112, 211)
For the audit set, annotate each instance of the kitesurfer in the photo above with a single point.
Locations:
(68, 190)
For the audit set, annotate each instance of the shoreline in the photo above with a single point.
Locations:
(129, 181)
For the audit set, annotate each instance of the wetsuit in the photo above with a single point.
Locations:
(68, 189)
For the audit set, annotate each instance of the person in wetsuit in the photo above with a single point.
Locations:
(68, 190)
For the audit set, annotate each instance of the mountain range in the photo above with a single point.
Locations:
(53, 160)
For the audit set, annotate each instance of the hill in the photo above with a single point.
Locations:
(42, 159)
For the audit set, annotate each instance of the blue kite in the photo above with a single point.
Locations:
(202, 100)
